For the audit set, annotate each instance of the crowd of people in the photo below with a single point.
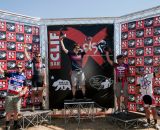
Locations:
(144, 82)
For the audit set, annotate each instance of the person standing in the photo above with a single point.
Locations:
(38, 78)
(144, 86)
(77, 74)
(121, 85)
(16, 89)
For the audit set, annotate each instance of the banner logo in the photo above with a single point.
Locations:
(100, 82)
(61, 85)
(54, 51)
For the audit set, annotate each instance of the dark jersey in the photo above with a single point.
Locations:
(76, 60)
(37, 71)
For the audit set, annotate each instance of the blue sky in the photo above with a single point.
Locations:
(76, 8)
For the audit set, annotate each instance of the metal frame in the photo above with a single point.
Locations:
(79, 110)
(126, 123)
(34, 118)
(9, 16)
(44, 53)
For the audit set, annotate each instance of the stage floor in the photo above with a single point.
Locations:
(100, 123)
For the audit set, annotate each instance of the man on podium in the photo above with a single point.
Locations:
(77, 74)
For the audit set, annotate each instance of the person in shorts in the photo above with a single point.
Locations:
(16, 89)
(38, 79)
(144, 86)
(121, 85)
(77, 74)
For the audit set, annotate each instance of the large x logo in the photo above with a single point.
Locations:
(79, 38)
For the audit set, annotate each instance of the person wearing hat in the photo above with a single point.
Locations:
(38, 79)
(121, 86)
(16, 89)
(144, 87)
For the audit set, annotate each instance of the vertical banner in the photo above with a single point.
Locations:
(141, 46)
(54, 51)
(98, 72)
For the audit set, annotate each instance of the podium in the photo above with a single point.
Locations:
(34, 118)
(126, 121)
(79, 109)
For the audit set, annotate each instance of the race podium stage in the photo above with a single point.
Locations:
(126, 121)
(34, 118)
(78, 109)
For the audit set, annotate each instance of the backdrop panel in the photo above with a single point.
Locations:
(13, 36)
(99, 74)
(140, 43)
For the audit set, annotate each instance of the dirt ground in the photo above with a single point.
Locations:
(101, 122)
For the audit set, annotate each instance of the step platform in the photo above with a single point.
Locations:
(126, 121)
(35, 118)
(78, 109)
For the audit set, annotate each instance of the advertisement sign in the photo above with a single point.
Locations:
(140, 39)
(13, 36)
(98, 72)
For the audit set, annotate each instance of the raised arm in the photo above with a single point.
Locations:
(157, 74)
(63, 47)
(108, 58)
(26, 52)
(1, 70)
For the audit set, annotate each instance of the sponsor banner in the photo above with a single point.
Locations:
(54, 51)
(141, 39)
(13, 36)
(98, 73)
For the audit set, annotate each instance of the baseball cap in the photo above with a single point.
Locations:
(19, 65)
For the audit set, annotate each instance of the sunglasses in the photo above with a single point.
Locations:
(19, 67)
(38, 56)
